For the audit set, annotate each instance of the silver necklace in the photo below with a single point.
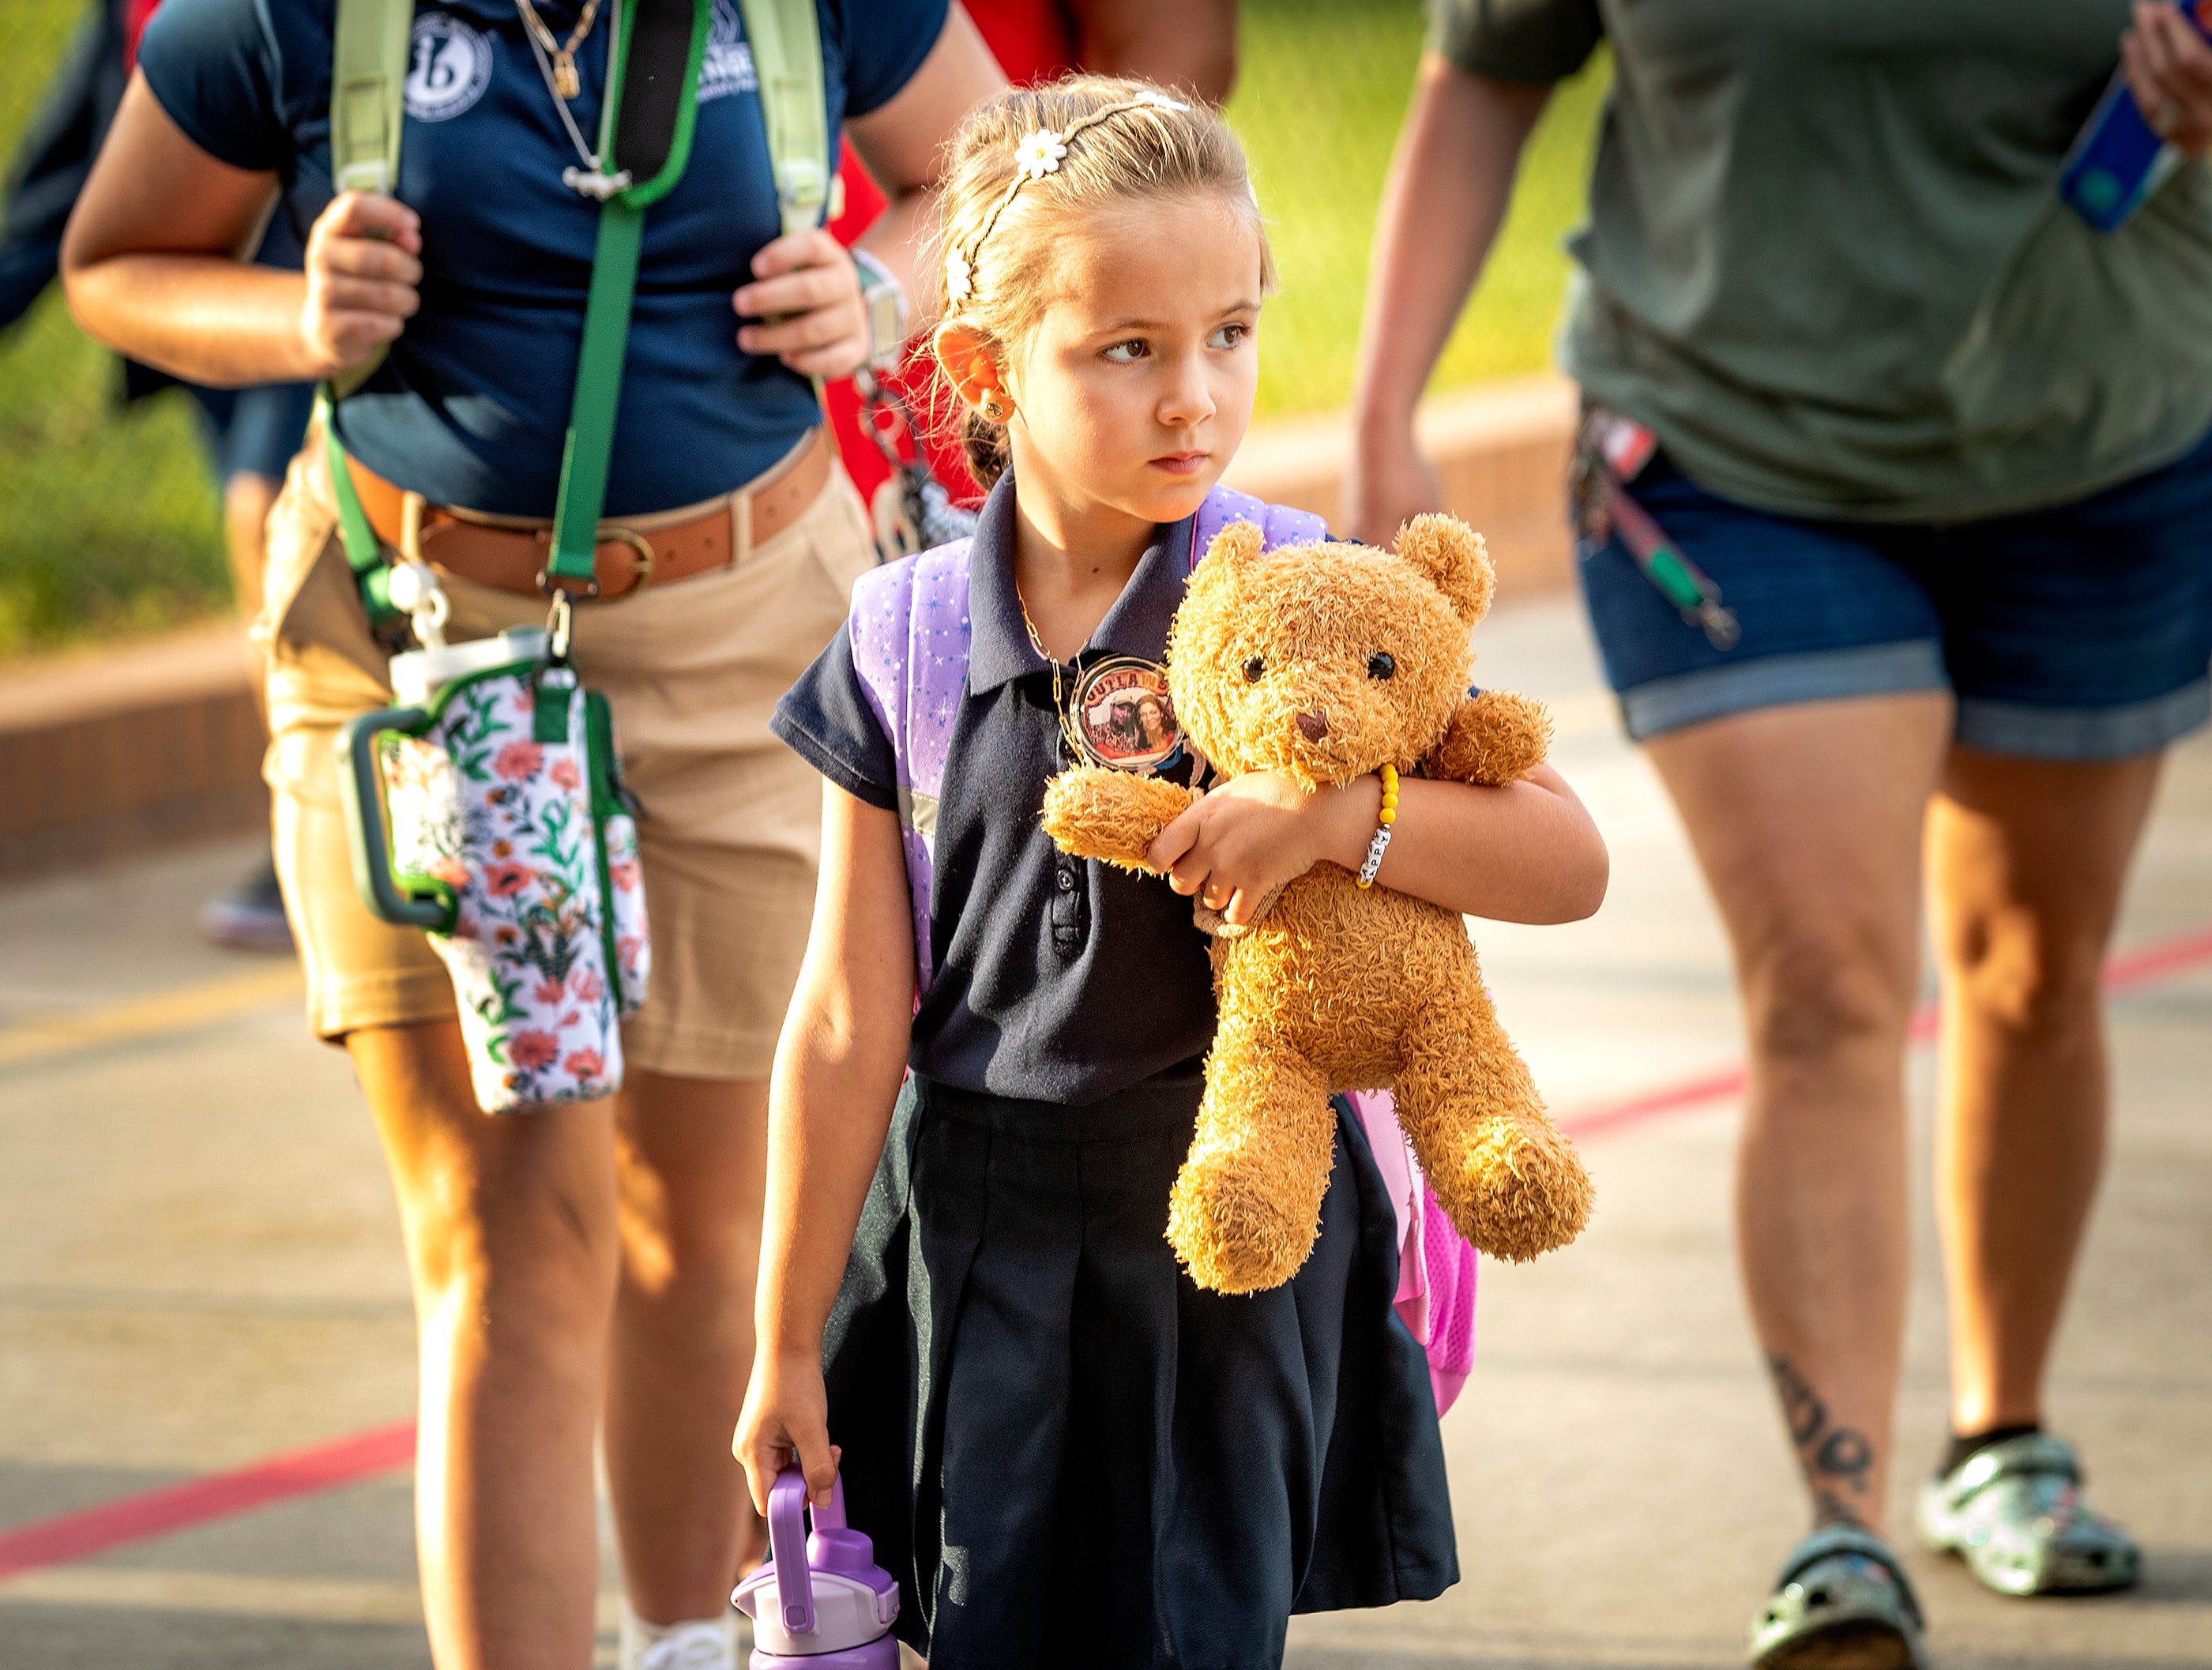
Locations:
(590, 181)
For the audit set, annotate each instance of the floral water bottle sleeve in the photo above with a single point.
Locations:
(510, 840)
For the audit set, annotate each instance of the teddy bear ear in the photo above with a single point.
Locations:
(1452, 554)
(1238, 543)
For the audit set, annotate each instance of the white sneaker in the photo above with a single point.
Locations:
(700, 1644)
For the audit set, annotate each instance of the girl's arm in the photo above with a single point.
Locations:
(1524, 852)
(805, 290)
(837, 1070)
(1442, 204)
(153, 265)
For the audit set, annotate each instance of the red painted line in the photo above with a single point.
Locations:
(2161, 959)
(92, 1531)
(320, 1467)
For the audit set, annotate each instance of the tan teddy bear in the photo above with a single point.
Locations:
(1328, 661)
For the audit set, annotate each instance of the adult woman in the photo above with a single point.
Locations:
(592, 1254)
(1943, 450)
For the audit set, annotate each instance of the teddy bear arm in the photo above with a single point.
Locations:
(1494, 738)
(1091, 813)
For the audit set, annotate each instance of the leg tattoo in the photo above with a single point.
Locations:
(1837, 1459)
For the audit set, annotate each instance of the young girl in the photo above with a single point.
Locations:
(1070, 1455)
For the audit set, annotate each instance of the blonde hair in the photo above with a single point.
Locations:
(1008, 195)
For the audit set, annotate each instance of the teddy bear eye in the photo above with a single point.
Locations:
(1253, 669)
(1380, 666)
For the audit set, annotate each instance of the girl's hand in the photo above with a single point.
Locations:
(1256, 833)
(362, 278)
(2170, 71)
(786, 1417)
(808, 291)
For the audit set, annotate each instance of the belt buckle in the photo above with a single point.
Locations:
(629, 536)
(638, 543)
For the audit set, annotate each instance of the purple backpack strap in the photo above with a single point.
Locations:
(910, 648)
(1279, 525)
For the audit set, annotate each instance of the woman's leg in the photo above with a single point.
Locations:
(1807, 820)
(2026, 861)
(693, 1164)
(510, 1230)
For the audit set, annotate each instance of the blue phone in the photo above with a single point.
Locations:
(2119, 160)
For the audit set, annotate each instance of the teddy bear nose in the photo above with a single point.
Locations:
(1315, 724)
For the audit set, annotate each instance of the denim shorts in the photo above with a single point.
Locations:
(2079, 632)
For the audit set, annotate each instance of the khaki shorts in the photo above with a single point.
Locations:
(730, 819)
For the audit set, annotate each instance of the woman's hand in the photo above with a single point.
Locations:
(1256, 833)
(1387, 484)
(2170, 71)
(807, 292)
(363, 274)
(786, 1419)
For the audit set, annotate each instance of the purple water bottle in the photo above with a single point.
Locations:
(821, 1602)
(2119, 160)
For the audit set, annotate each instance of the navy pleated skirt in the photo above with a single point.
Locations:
(1069, 1454)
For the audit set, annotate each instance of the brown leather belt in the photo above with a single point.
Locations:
(510, 552)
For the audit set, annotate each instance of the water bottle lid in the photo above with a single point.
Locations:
(821, 1593)
(418, 675)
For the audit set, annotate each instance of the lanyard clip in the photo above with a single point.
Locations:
(594, 183)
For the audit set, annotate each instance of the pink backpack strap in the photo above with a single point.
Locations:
(911, 631)
(1435, 1268)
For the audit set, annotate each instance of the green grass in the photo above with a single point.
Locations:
(108, 524)
(1321, 95)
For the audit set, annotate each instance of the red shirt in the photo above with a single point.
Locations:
(1034, 40)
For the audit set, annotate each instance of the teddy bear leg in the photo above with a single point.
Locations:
(1504, 1176)
(1246, 1205)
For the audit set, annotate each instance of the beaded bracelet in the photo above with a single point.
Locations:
(1381, 843)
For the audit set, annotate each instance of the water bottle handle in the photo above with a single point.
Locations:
(361, 788)
(787, 1544)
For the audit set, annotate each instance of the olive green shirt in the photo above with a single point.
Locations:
(1826, 261)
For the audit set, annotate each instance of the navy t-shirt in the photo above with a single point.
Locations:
(1057, 979)
(470, 408)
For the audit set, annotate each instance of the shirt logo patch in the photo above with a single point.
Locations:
(448, 67)
(727, 67)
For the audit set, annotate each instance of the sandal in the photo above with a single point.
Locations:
(1841, 1603)
(2013, 1512)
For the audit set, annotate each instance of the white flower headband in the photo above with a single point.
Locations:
(1039, 153)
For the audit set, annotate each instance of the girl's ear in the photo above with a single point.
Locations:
(970, 359)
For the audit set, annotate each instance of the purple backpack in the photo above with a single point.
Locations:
(910, 634)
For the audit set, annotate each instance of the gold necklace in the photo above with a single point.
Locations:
(1059, 692)
(1037, 643)
(566, 82)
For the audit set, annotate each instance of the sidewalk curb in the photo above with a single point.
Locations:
(118, 750)
(147, 745)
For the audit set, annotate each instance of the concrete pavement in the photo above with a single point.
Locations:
(199, 1267)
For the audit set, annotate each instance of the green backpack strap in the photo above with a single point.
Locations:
(785, 36)
(368, 84)
(368, 79)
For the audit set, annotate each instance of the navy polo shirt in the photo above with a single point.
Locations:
(1058, 979)
(470, 407)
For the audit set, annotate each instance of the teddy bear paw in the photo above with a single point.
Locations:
(1234, 1236)
(1522, 1190)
